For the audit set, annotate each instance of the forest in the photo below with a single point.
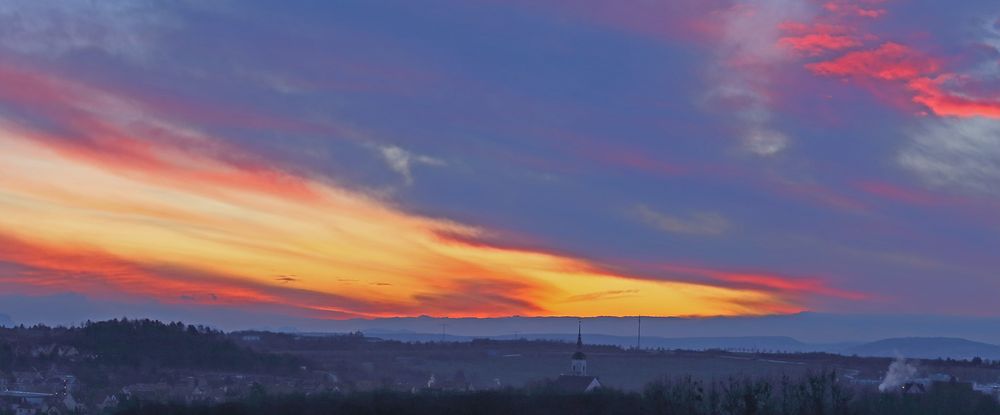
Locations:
(132, 349)
(814, 394)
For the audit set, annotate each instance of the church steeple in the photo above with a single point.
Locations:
(578, 362)
(579, 334)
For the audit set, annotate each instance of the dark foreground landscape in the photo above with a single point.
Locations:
(819, 394)
(149, 367)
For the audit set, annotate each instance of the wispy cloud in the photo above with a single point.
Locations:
(604, 295)
(961, 147)
(402, 161)
(748, 52)
(52, 28)
(959, 153)
(698, 223)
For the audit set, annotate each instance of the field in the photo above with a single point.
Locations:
(628, 371)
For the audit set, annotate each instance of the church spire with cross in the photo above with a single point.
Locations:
(577, 380)
(579, 334)
(578, 362)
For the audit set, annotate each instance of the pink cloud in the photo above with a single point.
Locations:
(862, 8)
(923, 77)
(931, 93)
(817, 194)
(889, 191)
(786, 285)
(818, 43)
(890, 61)
(139, 145)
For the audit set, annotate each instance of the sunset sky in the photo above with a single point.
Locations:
(343, 159)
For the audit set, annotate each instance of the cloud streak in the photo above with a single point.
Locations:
(699, 223)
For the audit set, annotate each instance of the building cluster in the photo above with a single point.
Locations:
(941, 381)
(30, 393)
(929, 383)
(35, 393)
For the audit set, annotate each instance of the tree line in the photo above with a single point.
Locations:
(816, 394)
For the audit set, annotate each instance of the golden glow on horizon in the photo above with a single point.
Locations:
(373, 260)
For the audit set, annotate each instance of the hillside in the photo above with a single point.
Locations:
(146, 344)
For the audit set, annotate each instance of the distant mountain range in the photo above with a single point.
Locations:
(909, 347)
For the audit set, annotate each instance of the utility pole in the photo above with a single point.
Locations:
(638, 336)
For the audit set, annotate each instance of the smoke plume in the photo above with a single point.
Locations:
(900, 372)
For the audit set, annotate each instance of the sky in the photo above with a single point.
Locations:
(453, 158)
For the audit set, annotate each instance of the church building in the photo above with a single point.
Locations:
(578, 381)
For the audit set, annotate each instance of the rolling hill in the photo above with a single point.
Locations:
(927, 348)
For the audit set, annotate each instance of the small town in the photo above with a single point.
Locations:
(82, 370)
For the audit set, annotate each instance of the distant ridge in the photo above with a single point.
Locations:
(759, 343)
(809, 328)
(6, 321)
(909, 347)
(927, 348)
(833, 332)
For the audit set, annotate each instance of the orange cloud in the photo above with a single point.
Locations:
(113, 201)
(189, 157)
(97, 273)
